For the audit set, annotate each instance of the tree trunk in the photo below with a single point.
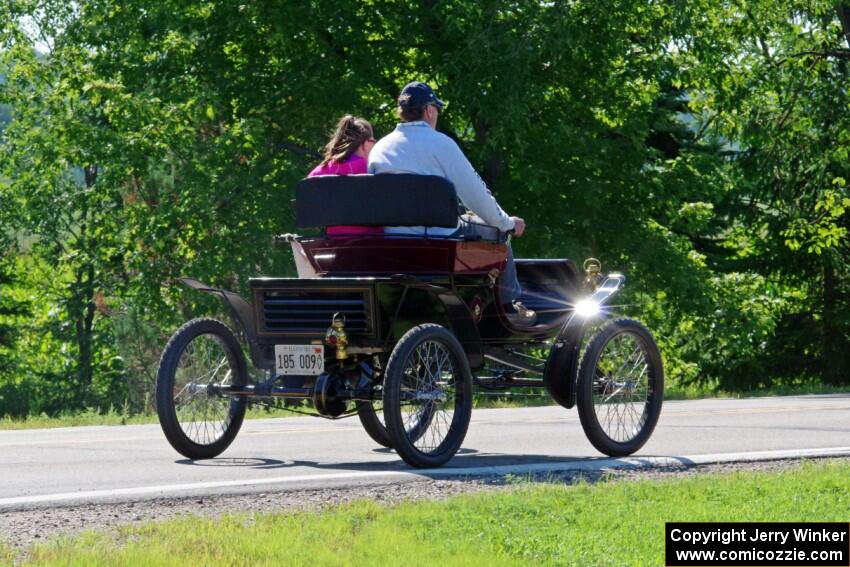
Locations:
(836, 367)
(84, 291)
(84, 326)
(494, 164)
(843, 10)
(833, 366)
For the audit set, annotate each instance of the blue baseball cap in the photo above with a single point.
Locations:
(418, 93)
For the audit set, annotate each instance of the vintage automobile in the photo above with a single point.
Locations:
(399, 328)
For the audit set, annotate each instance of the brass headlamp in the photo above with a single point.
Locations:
(592, 269)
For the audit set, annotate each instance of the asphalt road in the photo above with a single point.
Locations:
(51, 466)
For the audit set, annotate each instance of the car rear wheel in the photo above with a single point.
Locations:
(427, 396)
(371, 416)
(199, 422)
(371, 420)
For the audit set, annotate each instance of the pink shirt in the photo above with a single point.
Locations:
(352, 166)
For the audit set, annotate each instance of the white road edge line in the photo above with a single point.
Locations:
(589, 464)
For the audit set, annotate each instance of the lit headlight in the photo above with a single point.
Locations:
(587, 308)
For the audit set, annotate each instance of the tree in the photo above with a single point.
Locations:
(51, 155)
(784, 103)
(697, 146)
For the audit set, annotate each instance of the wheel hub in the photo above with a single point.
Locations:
(433, 396)
(325, 396)
(194, 389)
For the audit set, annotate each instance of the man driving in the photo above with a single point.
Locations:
(415, 146)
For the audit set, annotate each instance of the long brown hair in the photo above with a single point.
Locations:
(349, 135)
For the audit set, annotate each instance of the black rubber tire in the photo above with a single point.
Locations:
(403, 440)
(588, 372)
(372, 424)
(168, 365)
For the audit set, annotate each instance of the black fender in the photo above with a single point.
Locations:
(463, 326)
(459, 317)
(561, 370)
(243, 312)
(561, 373)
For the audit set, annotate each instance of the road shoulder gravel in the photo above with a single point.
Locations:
(23, 528)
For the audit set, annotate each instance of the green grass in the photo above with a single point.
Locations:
(691, 392)
(7, 555)
(114, 417)
(607, 523)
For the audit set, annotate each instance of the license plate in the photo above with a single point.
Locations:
(299, 360)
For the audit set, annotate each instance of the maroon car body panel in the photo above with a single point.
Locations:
(385, 255)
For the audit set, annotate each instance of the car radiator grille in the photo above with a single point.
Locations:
(311, 312)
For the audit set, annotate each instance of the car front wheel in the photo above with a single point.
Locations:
(620, 387)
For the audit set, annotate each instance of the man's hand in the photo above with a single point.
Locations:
(519, 226)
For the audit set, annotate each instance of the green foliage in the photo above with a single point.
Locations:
(12, 312)
(5, 116)
(700, 147)
(784, 103)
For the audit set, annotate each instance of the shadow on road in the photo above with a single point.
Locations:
(467, 464)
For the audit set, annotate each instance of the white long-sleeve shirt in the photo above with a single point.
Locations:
(415, 147)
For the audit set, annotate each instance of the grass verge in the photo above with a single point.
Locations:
(693, 392)
(532, 397)
(113, 417)
(606, 523)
